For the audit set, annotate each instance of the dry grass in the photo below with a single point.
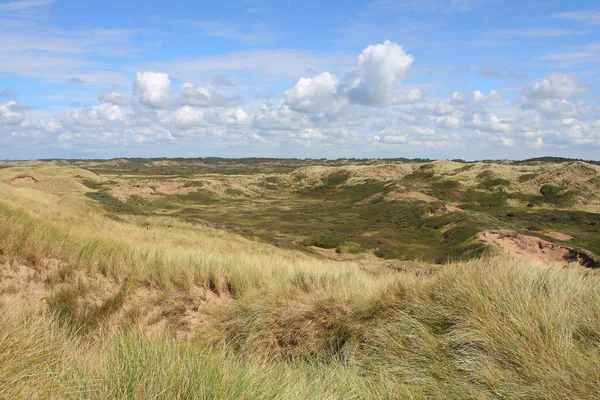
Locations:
(276, 323)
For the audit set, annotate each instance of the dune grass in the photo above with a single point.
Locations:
(293, 326)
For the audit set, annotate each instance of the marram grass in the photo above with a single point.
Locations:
(293, 326)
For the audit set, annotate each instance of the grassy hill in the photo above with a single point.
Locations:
(117, 282)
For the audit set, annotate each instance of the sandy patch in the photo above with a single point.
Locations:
(23, 179)
(182, 313)
(22, 283)
(526, 247)
(534, 249)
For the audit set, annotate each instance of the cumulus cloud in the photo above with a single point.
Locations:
(379, 69)
(448, 122)
(153, 89)
(415, 119)
(443, 108)
(312, 95)
(100, 117)
(19, 107)
(51, 126)
(321, 111)
(112, 98)
(375, 81)
(487, 123)
(201, 96)
(458, 98)
(538, 144)
(551, 108)
(9, 115)
(391, 138)
(417, 130)
(478, 96)
(186, 117)
(550, 96)
(555, 86)
(281, 118)
(229, 116)
(413, 95)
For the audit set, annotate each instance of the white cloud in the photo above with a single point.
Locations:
(227, 116)
(508, 142)
(94, 117)
(487, 123)
(478, 96)
(186, 117)
(538, 144)
(375, 81)
(555, 86)
(153, 89)
(415, 119)
(112, 98)
(313, 95)
(458, 98)
(310, 134)
(411, 96)
(421, 131)
(281, 118)
(201, 96)
(9, 115)
(51, 126)
(549, 97)
(392, 139)
(443, 108)
(447, 122)
(551, 108)
(378, 71)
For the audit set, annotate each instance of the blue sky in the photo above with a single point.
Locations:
(388, 78)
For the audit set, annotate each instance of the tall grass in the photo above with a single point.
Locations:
(294, 327)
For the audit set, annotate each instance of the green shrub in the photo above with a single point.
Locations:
(550, 191)
(552, 194)
(493, 184)
(527, 177)
(487, 174)
(336, 178)
(422, 174)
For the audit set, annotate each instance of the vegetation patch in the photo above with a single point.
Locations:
(115, 205)
(493, 184)
(527, 177)
(557, 196)
(336, 178)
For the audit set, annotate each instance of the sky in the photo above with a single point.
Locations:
(469, 79)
